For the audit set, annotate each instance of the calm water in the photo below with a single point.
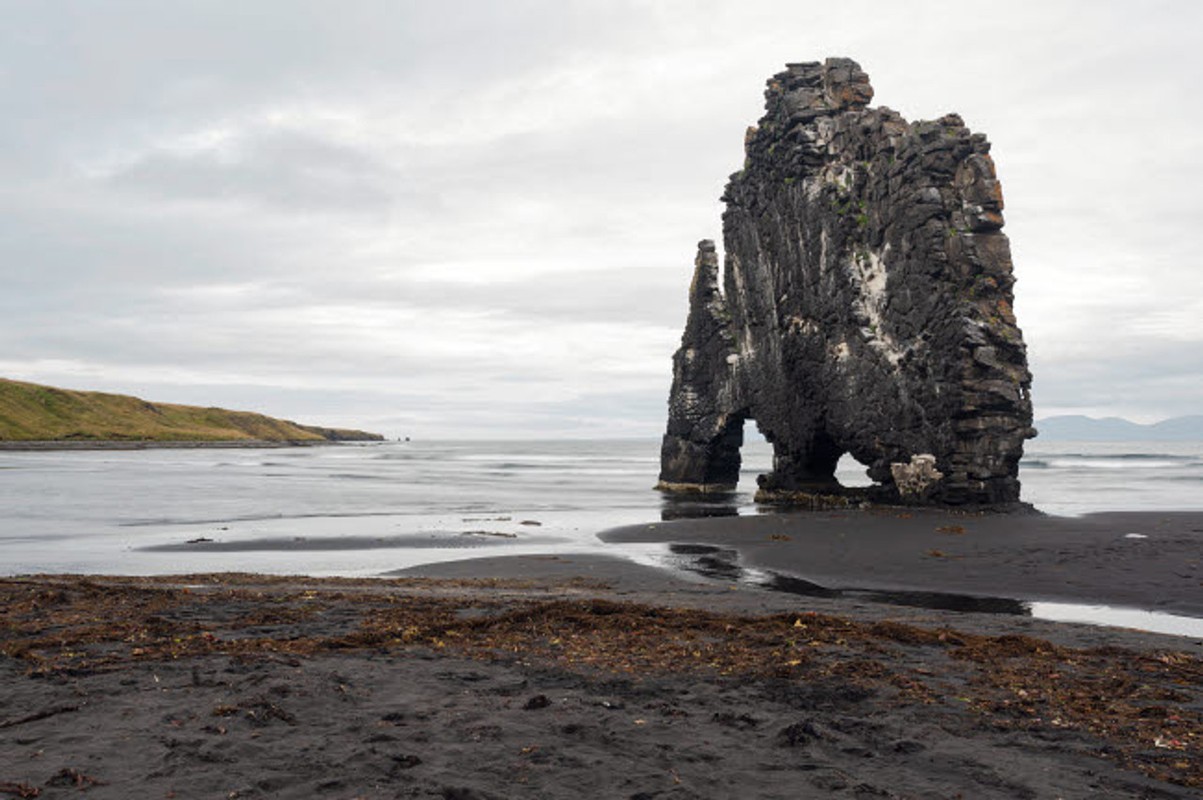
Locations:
(362, 510)
(1074, 478)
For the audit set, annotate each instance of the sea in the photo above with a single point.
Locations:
(373, 508)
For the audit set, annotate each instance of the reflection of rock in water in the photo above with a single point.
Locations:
(720, 563)
(792, 585)
(685, 506)
(944, 601)
(709, 562)
(864, 308)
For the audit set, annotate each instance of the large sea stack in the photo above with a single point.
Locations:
(865, 308)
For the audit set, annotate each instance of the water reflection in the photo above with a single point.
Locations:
(716, 563)
(676, 506)
(1155, 621)
(720, 563)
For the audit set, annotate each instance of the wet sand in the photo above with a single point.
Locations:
(1139, 559)
(568, 676)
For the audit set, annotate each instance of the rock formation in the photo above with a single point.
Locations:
(865, 308)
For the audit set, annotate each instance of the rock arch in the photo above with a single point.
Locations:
(865, 307)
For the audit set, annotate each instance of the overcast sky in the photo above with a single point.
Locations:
(479, 218)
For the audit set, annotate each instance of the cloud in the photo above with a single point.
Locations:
(475, 217)
(287, 169)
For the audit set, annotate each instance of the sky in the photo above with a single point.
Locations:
(478, 219)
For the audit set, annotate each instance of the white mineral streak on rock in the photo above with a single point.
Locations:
(838, 175)
(868, 270)
(689, 398)
(800, 325)
(813, 187)
(916, 479)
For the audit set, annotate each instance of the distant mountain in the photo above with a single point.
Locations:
(1116, 429)
(30, 412)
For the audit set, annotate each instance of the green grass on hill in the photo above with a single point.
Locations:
(29, 412)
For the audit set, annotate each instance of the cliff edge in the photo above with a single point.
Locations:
(30, 412)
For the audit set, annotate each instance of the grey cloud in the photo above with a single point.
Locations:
(516, 173)
(79, 69)
(92, 253)
(648, 295)
(1140, 376)
(289, 170)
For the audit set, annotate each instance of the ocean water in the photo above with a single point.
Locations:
(367, 509)
(333, 510)
(1075, 478)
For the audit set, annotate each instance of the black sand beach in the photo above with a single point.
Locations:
(565, 676)
(1142, 560)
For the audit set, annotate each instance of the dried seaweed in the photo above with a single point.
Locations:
(1143, 708)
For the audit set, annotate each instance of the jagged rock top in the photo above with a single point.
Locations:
(809, 89)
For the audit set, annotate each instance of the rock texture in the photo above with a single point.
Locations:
(865, 308)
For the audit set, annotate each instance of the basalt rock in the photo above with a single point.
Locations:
(865, 308)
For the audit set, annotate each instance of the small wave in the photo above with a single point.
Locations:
(418, 540)
(144, 523)
(409, 456)
(525, 459)
(530, 465)
(1155, 457)
(1101, 463)
(1128, 456)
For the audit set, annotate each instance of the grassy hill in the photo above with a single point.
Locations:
(29, 412)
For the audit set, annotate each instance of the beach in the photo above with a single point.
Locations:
(1146, 560)
(560, 401)
(585, 675)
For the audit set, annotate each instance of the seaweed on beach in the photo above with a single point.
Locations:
(1144, 709)
(1149, 704)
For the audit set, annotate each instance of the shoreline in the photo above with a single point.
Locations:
(118, 444)
(1143, 561)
